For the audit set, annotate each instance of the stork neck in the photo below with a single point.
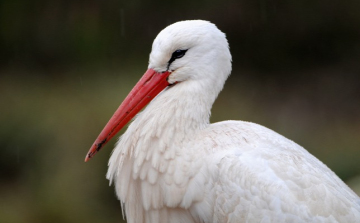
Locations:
(179, 109)
(175, 115)
(161, 130)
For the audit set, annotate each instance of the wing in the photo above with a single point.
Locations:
(263, 175)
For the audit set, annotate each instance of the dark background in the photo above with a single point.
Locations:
(65, 66)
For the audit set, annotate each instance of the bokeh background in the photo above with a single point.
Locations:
(65, 66)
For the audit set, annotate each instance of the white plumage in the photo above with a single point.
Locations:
(172, 165)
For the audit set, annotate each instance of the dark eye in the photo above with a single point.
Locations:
(176, 55)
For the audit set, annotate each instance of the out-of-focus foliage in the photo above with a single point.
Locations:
(266, 35)
(65, 66)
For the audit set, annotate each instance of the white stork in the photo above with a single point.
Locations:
(172, 165)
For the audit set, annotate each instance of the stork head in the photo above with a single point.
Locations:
(191, 50)
(188, 51)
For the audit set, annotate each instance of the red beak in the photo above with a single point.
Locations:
(150, 85)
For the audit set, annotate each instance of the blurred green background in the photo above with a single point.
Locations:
(65, 66)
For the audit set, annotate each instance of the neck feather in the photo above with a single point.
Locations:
(166, 123)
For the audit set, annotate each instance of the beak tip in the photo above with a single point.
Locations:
(88, 156)
(94, 149)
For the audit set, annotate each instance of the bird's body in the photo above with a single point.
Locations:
(172, 165)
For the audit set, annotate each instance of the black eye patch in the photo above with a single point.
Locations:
(177, 54)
